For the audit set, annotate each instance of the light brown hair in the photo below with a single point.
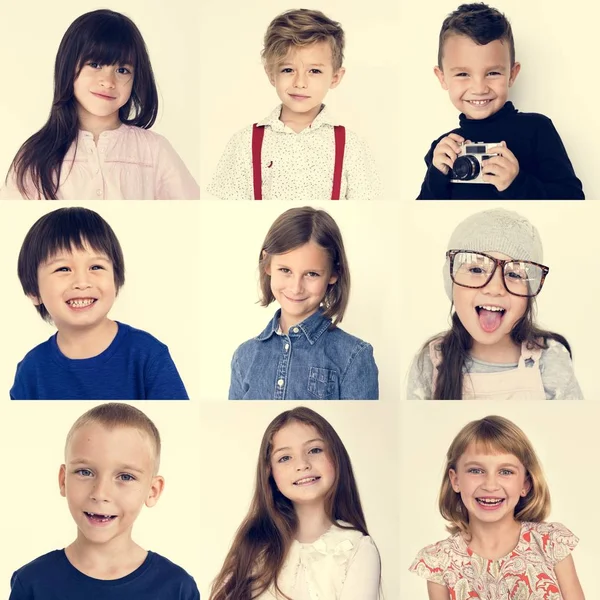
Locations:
(294, 228)
(494, 435)
(117, 414)
(298, 28)
(263, 540)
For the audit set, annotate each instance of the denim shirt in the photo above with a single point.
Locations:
(310, 362)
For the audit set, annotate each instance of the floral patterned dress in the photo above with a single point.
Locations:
(526, 573)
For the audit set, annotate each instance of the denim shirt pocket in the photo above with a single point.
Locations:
(323, 383)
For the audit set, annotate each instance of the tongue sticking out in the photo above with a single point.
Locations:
(490, 319)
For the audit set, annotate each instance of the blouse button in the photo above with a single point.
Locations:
(287, 347)
(295, 330)
(98, 192)
(280, 382)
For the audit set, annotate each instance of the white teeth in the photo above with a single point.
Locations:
(489, 501)
(479, 102)
(492, 308)
(79, 303)
(305, 480)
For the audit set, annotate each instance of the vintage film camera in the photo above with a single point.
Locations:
(468, 164)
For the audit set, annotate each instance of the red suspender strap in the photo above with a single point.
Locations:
(258, 133)
(339, 132)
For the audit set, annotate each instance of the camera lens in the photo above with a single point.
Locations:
(465, 168)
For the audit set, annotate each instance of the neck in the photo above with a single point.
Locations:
(111, 560)
(96, 125)
(298, 121)
(494, 540)
(313, 521)
(82, 343)
(503, 352)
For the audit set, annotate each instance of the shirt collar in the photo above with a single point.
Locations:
(312, 328)
(272, 121)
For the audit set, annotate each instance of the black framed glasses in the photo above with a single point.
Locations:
(475, 270)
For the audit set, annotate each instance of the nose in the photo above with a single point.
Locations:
(479, 85)
(300, 79)
(302, 464)
(495, 286)
(107, 77)
(490, 483)
(297, 284)
(101, 490)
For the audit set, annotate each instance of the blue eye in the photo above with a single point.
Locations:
(126, 477)
(316, 450)
(283, 459)
(84, 472)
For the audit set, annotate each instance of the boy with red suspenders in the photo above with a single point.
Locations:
(299, 152)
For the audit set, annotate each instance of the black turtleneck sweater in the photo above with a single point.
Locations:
(545, 171)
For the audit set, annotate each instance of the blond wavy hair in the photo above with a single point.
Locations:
(298, 28)
(493, 435)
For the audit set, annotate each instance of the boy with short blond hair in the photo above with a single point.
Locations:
(299, 151)
(112, 456)
(519, 155)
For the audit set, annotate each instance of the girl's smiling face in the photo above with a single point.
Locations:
(299, 281)
(490, 485)
(489, 313)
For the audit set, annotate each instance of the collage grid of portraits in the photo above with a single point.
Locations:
(199, 281)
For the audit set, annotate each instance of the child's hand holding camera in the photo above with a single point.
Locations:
(500, 170)
(446, 151)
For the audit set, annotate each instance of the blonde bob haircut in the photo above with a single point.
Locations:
(494, 435)
(299, 28)
(294, 228)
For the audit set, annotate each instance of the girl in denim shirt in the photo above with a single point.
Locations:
(302, 353)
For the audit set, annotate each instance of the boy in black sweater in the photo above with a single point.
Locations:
(476, 65)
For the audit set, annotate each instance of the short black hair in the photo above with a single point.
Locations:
(62, 230)
(479, 22)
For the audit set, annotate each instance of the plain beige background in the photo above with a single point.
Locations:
(564, 436)
(566, 304)
(553, 42)
(31, 34)
(161, 252)
(231, 237)
(237, 93)
(229, 445)
(37, 518)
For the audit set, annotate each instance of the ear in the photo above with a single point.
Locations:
(333, 279)
(156, 489)
(526, 487)
(337, 78)
(514, 71)
(270, 74)
(264, 256)
(62, 475)
(440, 75)
(36, 301)
(453, 476)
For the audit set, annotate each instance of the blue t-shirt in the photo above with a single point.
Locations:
(136, 366)
(310, 362)
(53, 577)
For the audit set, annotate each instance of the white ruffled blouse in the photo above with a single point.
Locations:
(342, 564)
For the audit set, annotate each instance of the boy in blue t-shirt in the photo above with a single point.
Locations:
(71, 267)
(527, 159)
(112, 457)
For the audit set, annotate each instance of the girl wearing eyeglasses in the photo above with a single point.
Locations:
(494, 350)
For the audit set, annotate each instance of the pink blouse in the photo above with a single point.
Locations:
(526, 573)
(128, 163)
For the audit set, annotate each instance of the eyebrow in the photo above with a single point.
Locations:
(305, 444)
(282, 264)
(492, 68)
(125, 467)
(63, 257)
(479, 464)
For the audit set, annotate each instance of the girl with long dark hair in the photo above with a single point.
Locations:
(305, 535)
(494, 349)
(96, 143)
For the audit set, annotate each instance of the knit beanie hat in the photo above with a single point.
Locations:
(495, 230)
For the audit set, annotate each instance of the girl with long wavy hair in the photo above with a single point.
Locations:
(496, 499)
(96, 143)
(494, 349)
(305, 535)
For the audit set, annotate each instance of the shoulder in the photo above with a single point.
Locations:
(139, 339)
(533, 118)
(433, 561)
(347, 339)
(36, 355)
(168, 568)
(555, 352)
(37, 569)
(552, 539)
(133, 134)
(242, 137)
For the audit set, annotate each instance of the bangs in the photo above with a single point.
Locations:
(111, 42)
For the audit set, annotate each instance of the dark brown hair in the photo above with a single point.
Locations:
(494, 435)
(105, 37)
(60, 231)
(298, 28)
(294, 228)
(479, 22)
(457, 342)
(117, 414)
(263, 539)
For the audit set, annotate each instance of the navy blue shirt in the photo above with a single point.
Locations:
(312, 361)
(545, 171)
(53, 577)
(136, 366)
